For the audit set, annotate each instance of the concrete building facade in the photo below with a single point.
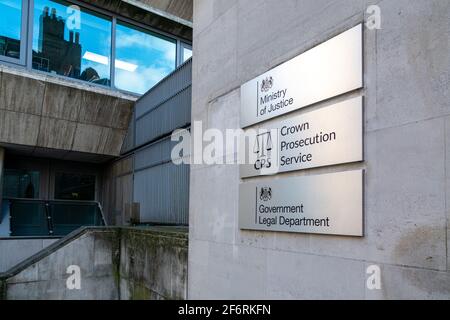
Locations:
(406, 148)
(72, 77)
(91, 91)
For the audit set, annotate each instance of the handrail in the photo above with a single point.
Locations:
(52, 200)
(53, 210)
(101, 213)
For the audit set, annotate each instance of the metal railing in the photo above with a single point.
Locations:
(34, 218)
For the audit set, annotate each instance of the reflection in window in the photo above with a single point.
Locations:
(70, 42)
(187, 53)
(21, 184)
(74, 186)
(10, 28)
(142, 58)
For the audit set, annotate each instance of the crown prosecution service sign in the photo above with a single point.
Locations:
(328, 136)
(327, 70)
(322, 204)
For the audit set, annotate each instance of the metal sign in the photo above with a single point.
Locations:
(330, 69)
(323, 204)
(328, 136)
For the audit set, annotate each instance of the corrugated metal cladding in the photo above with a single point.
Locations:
(164, 108)
(160, 187)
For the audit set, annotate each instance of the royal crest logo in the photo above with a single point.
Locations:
(265, 194)
(267, 84)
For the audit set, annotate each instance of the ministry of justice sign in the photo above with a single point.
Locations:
(323, 204)
(328, 70)
(328, 136)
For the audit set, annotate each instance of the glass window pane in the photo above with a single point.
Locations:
(21, 184)
(10, 28)
(74, 186)
(142, 58)
(70, 42)
(187, 53)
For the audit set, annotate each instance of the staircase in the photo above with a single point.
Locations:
(108, 263)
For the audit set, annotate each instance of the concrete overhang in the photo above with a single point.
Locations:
(57, 154)
(180, 11)
(173, 17)
(45, 116)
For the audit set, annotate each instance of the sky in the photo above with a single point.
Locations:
(154, 56)
(11, 17)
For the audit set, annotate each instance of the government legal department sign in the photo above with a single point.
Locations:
(326, 204)
(327, 70)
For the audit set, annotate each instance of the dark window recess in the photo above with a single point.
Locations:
(21, 184)
(74, 186)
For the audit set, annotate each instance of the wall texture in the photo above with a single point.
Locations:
(13, 251)
(44, 276)
(117, 195)
(407, 146)
(44, 112)
(115, 263)
(153, 265)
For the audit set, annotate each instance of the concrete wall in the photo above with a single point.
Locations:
(13, 251)
(45, 111)
(115, 263)
(407, 130)
(117, 195)
(45, 279)
(153, 265)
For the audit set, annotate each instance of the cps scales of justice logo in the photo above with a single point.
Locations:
(263, 150)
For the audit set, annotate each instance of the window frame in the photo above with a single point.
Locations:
(26, 43)
(180, 54)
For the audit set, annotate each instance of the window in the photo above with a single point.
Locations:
(21, 184)
(187, 53)
(70, 42)
(74, 186)
(71, 39)
(142, 58)
(11, 45)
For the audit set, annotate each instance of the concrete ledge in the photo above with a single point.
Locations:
(49, 112)
(65, 81)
